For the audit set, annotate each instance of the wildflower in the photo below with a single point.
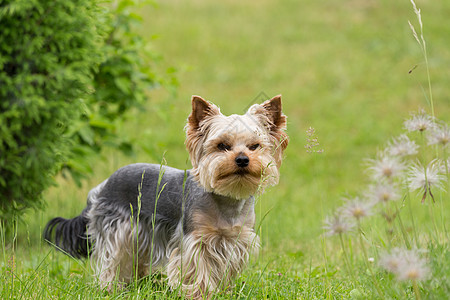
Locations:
(402, 146)
(419, 122)
(383, 192)
(391, 261)
(357, 208)
(425, 178)
(385, 167)
(440, 135)
(405, 264)
(312, 141)
(337, 224)
(416, 270)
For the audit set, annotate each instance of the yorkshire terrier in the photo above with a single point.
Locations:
(197, 224)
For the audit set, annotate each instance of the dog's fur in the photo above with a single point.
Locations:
(197, 224)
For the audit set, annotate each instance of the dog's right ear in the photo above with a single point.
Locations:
(195, 130)
(200, 110)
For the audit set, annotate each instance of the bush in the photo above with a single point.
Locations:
(68, 69)
(121, 83)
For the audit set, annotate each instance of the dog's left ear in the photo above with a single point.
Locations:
(271, 115)
(274, 113)
(277, 121)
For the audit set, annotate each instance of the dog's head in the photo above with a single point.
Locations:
(236, 155)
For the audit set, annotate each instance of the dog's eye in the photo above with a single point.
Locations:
(253, 147)
(223, 147)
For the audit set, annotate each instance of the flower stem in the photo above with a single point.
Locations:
(402, 228)
(445, 158)
(408, 197)
(347, 262)
(389, 227)
(416, 290)
(366, 259)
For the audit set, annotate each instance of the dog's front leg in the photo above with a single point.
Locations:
(194, 269)
(190, 269)
(208, 261)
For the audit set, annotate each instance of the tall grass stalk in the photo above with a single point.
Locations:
(346, 259)
(3, 238)
(411, 216)
(416, 289)
(136, 232)
(366, 260)
(326, 263)
(183, 207)
(423, 46)
(447, 175)
(389, 229)
(402, 227)
(427, 188)
(158, 195)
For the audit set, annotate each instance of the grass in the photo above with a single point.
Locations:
(342, 67)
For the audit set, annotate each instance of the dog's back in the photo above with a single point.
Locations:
(131, 191)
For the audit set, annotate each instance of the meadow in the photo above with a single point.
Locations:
(354, 72)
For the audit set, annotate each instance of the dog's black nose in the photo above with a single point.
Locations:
(242, 160)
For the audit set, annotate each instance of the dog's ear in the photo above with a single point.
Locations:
(274, 113)
(197, 125)
(200, 110)
(277, 121)
(270, 114)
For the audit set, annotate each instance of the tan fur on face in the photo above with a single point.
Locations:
(216, 169)
(210, 257)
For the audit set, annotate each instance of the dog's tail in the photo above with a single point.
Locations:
(69, 235)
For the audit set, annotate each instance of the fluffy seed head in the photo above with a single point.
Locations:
(439, 135)
(391, 261)
(425, 178)
(383, 192)
(402, 146)
(405, 264)
(419, 122)
(337, 224)
(357, 208)
(385, 167)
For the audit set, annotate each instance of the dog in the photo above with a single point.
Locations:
(196, 224)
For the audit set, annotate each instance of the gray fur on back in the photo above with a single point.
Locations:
(120, 192)
(113, 204)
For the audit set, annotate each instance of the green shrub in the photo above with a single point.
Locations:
(121, 83)
(68, 70)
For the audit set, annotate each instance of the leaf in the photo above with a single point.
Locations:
(102, 123)
(123, 84)
(87, 135)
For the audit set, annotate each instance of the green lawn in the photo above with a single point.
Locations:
(342, 68)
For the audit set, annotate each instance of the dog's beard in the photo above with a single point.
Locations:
(219, 174)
